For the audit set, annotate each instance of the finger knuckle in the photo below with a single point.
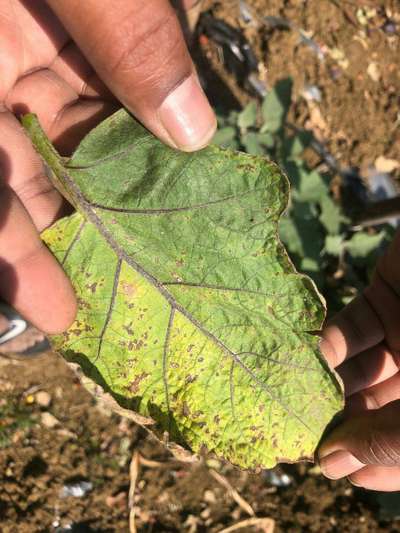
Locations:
(369, 398)
(364, 327)
(360, 370)
(382, 450)
(33, 187)
(146, 47)
(357, 331)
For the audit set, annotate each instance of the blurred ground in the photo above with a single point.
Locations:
(352, 58)
(52, 433)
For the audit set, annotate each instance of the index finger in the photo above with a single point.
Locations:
(31, 280)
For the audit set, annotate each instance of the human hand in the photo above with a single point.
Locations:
(363, 343)
(138, 51)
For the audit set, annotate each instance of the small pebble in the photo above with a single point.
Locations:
(209, 496)
(49, 420)
(43, 398)
(119, 500)
(312, 93)
(389, 27)
(76, 490)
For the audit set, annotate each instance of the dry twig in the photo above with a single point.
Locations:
(169, 463)
(247, 508)
(267, 525)
(133, 474)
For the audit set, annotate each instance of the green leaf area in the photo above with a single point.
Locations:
(190, 311)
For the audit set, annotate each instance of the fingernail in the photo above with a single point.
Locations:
(354, 483)
(188, 117)
(339, 464)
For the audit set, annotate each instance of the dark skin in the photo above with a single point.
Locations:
(363, 343)
(71, 65)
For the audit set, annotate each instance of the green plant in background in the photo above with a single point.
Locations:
(315, 229)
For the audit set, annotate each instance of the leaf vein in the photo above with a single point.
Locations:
(167, 210)
(165, 361)
(92, 216)
(73, 242)
(110, 308)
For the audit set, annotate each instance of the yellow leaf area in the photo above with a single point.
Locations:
(157, 359)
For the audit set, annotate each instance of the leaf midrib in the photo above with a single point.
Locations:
(166, 210)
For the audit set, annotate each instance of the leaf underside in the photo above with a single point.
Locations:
(190, 311)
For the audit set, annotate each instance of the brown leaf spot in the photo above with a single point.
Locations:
(128, 328)
(135, 344)
(128, 289)
(134, 386)
(83, 304)
(92, 287)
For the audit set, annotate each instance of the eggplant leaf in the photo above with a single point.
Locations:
(190, 311)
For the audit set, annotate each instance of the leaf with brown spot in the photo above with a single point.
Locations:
(194, 284)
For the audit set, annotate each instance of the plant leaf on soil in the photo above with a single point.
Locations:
(248, 117)
(190, 311)
(276, 105)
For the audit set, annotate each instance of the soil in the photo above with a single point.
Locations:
(53, 434)
(358, 76)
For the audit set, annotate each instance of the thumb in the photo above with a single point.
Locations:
(139, 51)
(372, 438)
